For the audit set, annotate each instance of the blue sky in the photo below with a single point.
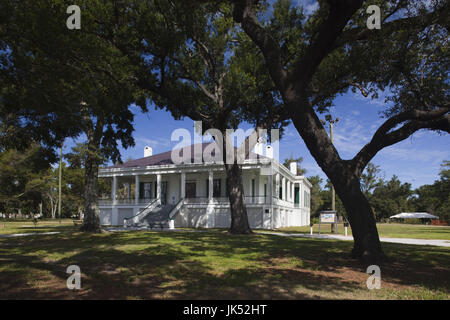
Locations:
(415, 160)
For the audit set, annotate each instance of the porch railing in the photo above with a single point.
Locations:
(225, 200)
(109, 202)
(141, 214)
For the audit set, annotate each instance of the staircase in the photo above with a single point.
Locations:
(158, 218)
(154, 216)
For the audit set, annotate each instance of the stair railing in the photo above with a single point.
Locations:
(175, 210)
(134, 218)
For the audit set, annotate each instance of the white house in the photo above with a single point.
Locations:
(154, 191)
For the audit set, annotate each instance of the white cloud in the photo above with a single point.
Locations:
(159, 142)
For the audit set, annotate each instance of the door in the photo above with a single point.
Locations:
(190, 189)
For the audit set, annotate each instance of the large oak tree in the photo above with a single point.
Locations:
(195, 64)
(59, 83)
(313, 58)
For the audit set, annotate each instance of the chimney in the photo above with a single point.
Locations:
(148, 151)
(269, 152)
(259, 148)
(293, 168)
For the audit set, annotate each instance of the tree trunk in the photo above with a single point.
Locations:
(344, 178)
(367, 246)
(91, 222)
(239, 218)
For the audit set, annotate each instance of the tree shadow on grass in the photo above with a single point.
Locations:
(206, 265)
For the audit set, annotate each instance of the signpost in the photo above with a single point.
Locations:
(328, 217)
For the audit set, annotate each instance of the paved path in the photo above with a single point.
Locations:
(422, 242)
(13, 235)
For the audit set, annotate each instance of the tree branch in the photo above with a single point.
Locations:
(244, 13)
(417, 22)
(438, 119)
(339, 13)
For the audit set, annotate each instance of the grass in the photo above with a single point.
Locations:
(27, 226)
(388, 230)
(211, 265)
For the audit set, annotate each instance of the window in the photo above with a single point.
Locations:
(216, 188)
(191, 189)
(145, 190)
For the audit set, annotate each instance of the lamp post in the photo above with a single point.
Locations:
(331, 121)
(59, 182)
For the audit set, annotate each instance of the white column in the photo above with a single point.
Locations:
(277, 185)
(288, 191)
(300, 195)
(293, 192)
(136, 189)
(210, 208)
(210, 181)
(291, 187)
(183, 186)
(257, 189)
(114, 190)
(158, 188)
(269, 188)
(283, 188)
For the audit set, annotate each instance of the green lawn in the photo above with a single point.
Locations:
(390, 230)
(27, 226)
(211, 265)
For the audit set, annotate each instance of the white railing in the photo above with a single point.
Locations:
(110, 202)
(105, 202)
(176, 209)
(225, 200)
(143, 213)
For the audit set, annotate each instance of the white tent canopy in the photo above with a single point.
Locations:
(414, 215)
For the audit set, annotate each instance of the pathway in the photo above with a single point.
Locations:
(422, 242)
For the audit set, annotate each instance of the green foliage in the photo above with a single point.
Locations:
(58, 83)
(370, 178)
(391, 198)
(27, 180)
(287, 162)
(435, 198)
(316, 195)
(22, 176)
